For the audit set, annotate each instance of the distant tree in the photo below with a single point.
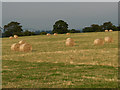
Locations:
(118, 27)
(115, 28)
(88, 29)
(92, 28)
(60, 27)
(74, 31)
(28, 33)
(37, 32)
(96, 28)
(43, 33)
(108, 26)
(33, 33)
(0, 32)
(12, 28)
(48, 31)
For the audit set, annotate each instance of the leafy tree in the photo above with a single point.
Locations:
(43, 33)
(74, 31)
(93, 28)
(114, 28)
(96, 28)
(28, 33)
(13, 28)
(60, 27)
(87, 29)
(108, 26)
(118, 27)
(0, 32)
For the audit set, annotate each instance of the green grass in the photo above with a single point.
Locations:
(51, 64)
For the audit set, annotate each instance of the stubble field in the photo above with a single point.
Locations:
(52, 64)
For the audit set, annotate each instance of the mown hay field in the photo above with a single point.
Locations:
(52, 64)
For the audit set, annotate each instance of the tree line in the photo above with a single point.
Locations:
(60, 27)
(101, 28)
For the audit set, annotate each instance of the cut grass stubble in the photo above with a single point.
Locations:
(52, 64)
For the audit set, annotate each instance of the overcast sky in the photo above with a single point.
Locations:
(42, 16)
(0, 13)
(60, 0)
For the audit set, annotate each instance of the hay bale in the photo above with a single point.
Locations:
(15, 47)
(110, 30)
(22, 42)
(98, 42)
(48, 34)
(70, 42)
(108, 39)
(67, 33)
(25, 47)
(106, 30)
(55, 34)
(15, 36)
(10, 37)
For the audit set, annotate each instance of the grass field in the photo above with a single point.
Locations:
(51, 64)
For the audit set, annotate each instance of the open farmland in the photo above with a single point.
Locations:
(52, 64)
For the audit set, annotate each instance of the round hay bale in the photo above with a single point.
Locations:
(10, 37)
(15, 36)
(67, 33)
(22, 42)
(25, 47)
(108, 39)
(15, 47)
(70, 42)
(106, 30)
(55, 34)
(98, 42)
(48, 34)
(110, 30)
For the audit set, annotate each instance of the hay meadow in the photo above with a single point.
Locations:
(52, 64)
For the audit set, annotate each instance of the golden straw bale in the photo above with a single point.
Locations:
(67, 33)
(15, 47)
(110, 30)
(55, 34)
(11, 37)
(99, 42)
(22, 42)
(15, 36)
(106, 30)
(70, 42)
(108, 39)
(25, 47)
(48, 34)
